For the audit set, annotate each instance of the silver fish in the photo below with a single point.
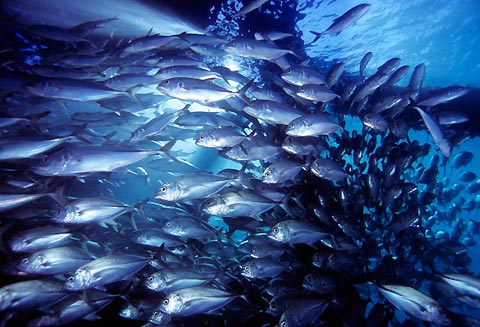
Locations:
(436, 132)
(302, 75)
(173, 280)
(443, 95)
(36, 239)
(271, 112)
(415, 303)
(105, 270)
(189, 187)
(282, 171)
(80, 160)
(30, 294)
(256, 49)
(54, 261)
(344, 21)
(296, 231)
(220, 138)
(195, 300)
(312, 125)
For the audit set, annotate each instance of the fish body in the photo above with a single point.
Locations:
(194, 300)
(254, 49)
(296, 231)
(105, 270)
(71, 89)
(312, 125)
(15, 148)
(344, 21)
(415, 303)
(80, 160)
(36, 239)
(54, 261)
(443, 95)
(220, 138)
(271, 112)
(436, 132)
(30, 294)
(189, 187)
(282, 171)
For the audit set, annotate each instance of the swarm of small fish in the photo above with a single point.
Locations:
(320, 223)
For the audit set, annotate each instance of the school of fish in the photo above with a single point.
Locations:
(317, 222)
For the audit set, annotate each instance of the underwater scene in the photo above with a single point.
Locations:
(240, 163)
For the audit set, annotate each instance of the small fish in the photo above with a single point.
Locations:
(443, 95)
(312, 125)
(262, 268)
(189, 187)
(344, 21)
(296, 231)
(254, 49)
(302, 75)
(105, 270)
(30, 294)
(328, 169)
(251, 6)
(282, 171)
(436, 132)
(315, 92)
(220, 138)
(415, 303)
(194, 300)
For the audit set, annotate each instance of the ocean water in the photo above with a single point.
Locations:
(443, 35)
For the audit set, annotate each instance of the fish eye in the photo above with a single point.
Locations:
(302, 89)
(275, 230)
(246, 267)
(168, 224)
(292, 125)
(70, 279)
(267, 173)
(25, 260)
(163, 189)
(165, 302)
(209, 202)
(26, 242)
(167, 81)
(283, 323)
(155, 313)
(201, 137)
(150, 279)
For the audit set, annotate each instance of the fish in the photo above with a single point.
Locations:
(71, 89)
(170, 281)
(78, 160)
(436, 132)
(254, 49)
(30, 294)
(302, 75)
(193, 300)
(104, 270)
(415, 303)
(220, 138)
(296, 231)
(87, 210)
(40, 238)
(189, 187)
(251, 6)
(328, 169)
(345, 20)
(444, 95)
(54, 261)
(282, 171)
(203, 91)
(312, 125)
(272, 112)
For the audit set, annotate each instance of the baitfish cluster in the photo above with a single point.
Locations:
(331, 213)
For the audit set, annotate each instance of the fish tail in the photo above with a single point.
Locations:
(138, 207)
(317, 36)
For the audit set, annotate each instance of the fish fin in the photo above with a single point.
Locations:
(317, 36)
(241, 93)
(131, 94)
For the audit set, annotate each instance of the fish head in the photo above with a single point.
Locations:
(270, 175)
(129, 312)
(156, 282)
(288, 319)
(172, 227)
(297, 127)
(249, 270)
(215, 206)
(169, 192)
(172, 304)
(64, 214)
(207, 140)
(54, 164)
(279, 232)
(26, 264)
(159, 318)
(291, 76)
(138, 135)
(80, 280)
(318, 169)
(19, 243)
